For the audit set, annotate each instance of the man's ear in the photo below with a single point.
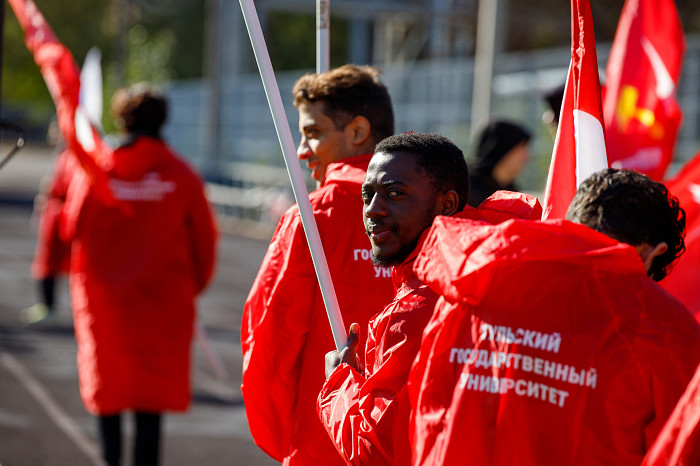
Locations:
(648, 252)
(449, 203)
(361, 130)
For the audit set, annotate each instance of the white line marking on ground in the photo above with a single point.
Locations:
(52, 408)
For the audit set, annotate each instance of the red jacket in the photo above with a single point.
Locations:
(550, 345)
(142, 249)
(134, 280)
(52, 255)
(679, 440)
(285, 331)
(367, 414)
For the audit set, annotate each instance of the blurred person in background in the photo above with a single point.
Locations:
(501, 154)
(136, 270)
(550, 116)
(52, 254)
(142, 240)
(343, 114)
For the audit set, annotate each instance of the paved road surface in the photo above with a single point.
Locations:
(42, 420)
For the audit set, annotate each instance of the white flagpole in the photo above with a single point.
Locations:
(294, 169)
(323, 23)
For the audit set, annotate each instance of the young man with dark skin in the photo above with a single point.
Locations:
(551, 344)
(343, 113)
(412, 179)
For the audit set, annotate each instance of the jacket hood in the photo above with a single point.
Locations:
(139, 156)
(460, 256)
(504, 205)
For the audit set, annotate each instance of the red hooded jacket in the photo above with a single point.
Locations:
(134, 278)
(367, 414)
(143, 247)
(550, 345)
(285, 331)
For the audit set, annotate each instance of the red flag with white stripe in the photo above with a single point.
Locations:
(579, 146)
(642, 117)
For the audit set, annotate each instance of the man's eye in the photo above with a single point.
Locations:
(311, 133)
(394, 193)
(367, 197)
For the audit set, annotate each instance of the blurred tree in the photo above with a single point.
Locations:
(161, 40)
(531, 24)
(291, 39)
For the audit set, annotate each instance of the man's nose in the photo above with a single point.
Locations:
(303, 151)
(375, 208)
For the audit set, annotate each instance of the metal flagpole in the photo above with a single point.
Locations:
(294, 169)
(323, 23)
(487, 16)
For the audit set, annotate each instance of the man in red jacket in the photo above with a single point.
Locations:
(411, 179)
(343, 113)
(550, 344)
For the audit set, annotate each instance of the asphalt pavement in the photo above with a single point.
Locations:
(42, 420)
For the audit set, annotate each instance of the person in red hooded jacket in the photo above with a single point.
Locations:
(136, 270)
(142, 248)
(551, 343)
(343, 113)
(411, 179)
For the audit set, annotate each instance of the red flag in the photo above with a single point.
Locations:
(62, 78)
(642, 117)
(684, 279)
(579, 147)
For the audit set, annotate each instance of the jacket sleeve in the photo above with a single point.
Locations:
(62, 78)
(367, 418)
(273, 333)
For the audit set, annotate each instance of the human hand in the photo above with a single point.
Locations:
(347, 355)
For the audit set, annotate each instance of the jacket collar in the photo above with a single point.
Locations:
(403, 273)
(351, 168)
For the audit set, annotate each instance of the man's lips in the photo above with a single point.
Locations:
(379, 234)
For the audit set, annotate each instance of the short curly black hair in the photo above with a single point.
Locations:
(441, 159)
(633, 209)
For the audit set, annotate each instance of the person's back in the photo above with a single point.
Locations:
(285, 330)
(550, 338)
(577, 359)
(140, 263)
(139, 259)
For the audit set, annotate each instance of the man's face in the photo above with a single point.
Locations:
(321, 143)
(399, 203)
